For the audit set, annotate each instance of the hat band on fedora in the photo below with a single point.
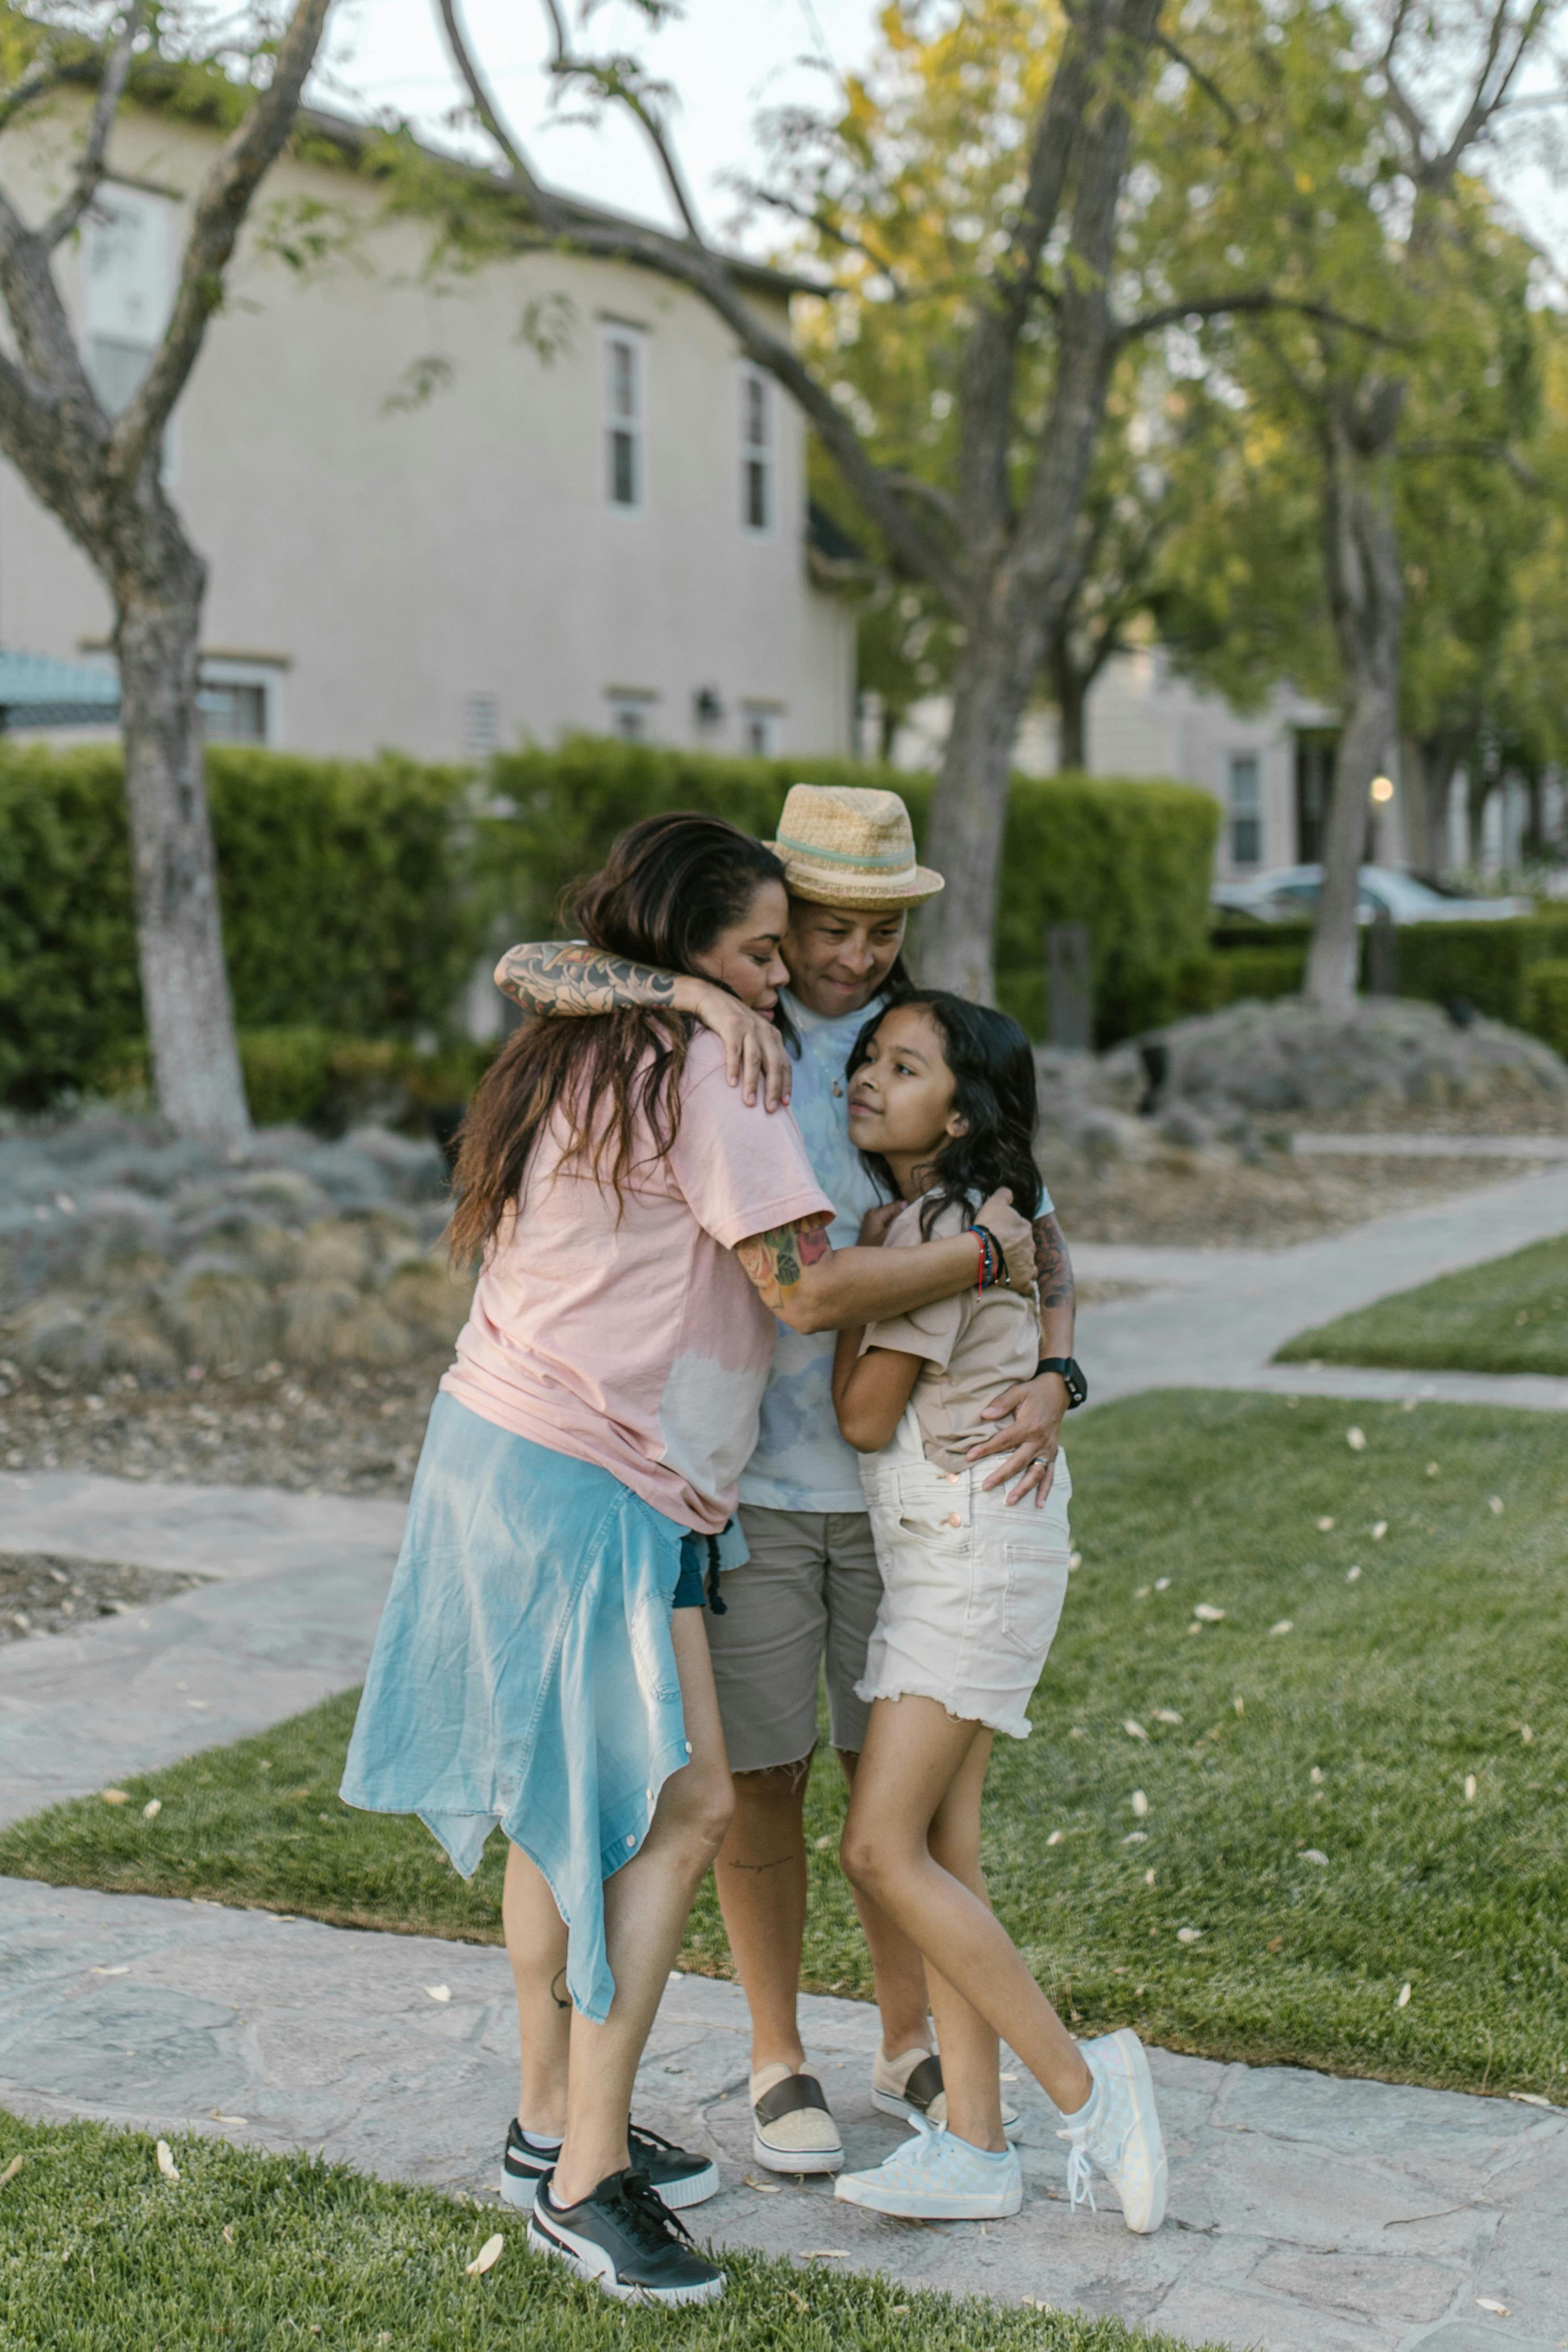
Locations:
(899, 861)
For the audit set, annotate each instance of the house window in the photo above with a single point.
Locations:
(236, 705)
(1246, 810)
(128, 286)
(630, 712)
(759, 730)
(625, 466)
(481, 725)
(757, 453)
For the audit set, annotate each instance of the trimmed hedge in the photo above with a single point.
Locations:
(1488, 964)
(347, 898)
(357, 895)
(1130, 859)
(1546, 1002)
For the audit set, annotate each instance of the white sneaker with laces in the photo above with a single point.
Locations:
(1118, 2132)
(935, 2178)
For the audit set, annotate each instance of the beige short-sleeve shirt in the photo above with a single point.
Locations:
(974, 1348)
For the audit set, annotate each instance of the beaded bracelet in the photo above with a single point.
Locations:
(993, 1268)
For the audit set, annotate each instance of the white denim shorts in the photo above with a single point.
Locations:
(971, 1590)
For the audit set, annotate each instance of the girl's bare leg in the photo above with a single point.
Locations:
(970, 2055)
(913, 1755)
(645, 1910)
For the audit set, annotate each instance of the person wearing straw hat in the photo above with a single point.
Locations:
(805, 1599)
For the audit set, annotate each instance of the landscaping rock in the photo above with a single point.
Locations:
(1389, 1060)
(124, 1249)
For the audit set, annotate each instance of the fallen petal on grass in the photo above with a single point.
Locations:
(1140, 1804)
(1402, 1999)
(1432, 1471)
(116, 1796)
(166, 2164)
(1529, 2099)
(1325, 1527)
(1314, 1853)
(1148, 1878)
(1317, 1776)
(1207, 1614)
(12, 2169)
(1136, 1837)
(1166, 1714)
(1056, 1837)
(439, 1992)
(1353, 1576)
(1495, 1505)
(1162, 1584)
(1356, 1440)
(1469, 1788)
(152, 1808)
(1134, 1730)
(489, 2256)
(1379, 1529)
(1189, 1935)
(1284, 1626)
(1526, 1734)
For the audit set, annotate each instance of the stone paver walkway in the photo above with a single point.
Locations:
(1433, 1147)
(1307, 2215)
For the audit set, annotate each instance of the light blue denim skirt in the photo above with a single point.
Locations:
(523, 1672)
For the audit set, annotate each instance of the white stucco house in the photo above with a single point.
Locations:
(447, 513)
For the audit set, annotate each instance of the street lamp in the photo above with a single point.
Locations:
(1383, 790)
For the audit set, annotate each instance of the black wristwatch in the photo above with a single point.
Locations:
(1071, 1372)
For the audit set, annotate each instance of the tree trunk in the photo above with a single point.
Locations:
(1366, 597)
(1070, 686)
(969, 814)
(1479, 786)
(1430, 764)
(184, 980)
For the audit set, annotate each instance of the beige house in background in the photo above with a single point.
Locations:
(445, 515)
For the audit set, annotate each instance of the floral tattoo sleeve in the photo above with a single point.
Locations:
(566, 977)
(777, 1259)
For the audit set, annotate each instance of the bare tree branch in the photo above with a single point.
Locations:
(220, 208)
(537, 197)
(1209, 87)
(37, 84)
(620, 80)
(92, 164)
(1250, 300)
(827, 227)
(940, 501)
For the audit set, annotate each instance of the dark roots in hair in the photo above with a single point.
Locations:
(667, 889)
(994, 1092)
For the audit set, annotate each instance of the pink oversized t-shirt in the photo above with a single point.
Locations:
(637, 1341)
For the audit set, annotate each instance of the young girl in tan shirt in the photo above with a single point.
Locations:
(942, 1104)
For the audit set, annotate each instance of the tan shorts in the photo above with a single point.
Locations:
(806, 1599)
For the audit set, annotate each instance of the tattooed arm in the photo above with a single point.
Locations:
(1031, 1413)
(567, 977)
(813, 1287)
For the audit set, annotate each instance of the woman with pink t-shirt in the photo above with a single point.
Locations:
(541, 1663)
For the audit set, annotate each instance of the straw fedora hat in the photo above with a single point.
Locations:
(842, 846)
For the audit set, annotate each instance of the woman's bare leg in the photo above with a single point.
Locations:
(913, 1754)
(536, 1946)
(762, 1875)
(645, 1910)
(761, 1878)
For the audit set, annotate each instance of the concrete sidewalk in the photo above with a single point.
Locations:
(1213, 1319)
(1307, 2214)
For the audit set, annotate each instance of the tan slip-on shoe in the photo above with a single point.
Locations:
(792, 2128)
(911, 2086)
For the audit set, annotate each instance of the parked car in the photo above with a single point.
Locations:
(1290, 894)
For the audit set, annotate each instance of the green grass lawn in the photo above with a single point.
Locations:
(1371, 1798)
(1508, 1315)
(99, 2252)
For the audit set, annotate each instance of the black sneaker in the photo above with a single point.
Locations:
(625, 2242)
(678, 2178)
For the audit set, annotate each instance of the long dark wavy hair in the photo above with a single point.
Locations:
(667, 889)
(992, 1063)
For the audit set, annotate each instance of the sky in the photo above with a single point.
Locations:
(729, 59)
